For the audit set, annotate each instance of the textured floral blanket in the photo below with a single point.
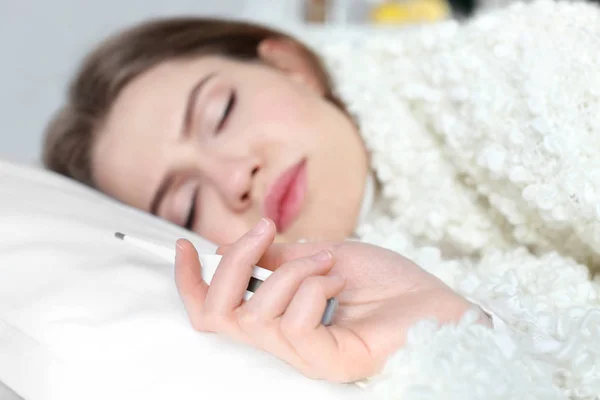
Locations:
(485, 137)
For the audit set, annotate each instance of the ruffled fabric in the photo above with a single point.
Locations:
(486, 140)
(421, 188)
(549, 347)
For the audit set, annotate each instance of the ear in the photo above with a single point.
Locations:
(288, 57)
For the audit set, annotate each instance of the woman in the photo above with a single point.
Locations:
(247, 128)
(432, 153)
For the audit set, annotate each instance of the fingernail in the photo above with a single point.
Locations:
(178, 250)
(323, 255)
(261, 227)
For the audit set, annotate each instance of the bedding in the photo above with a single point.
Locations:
(484, 137)
(85, 316)
(7, 394)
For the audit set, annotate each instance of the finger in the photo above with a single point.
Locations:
(280, 253)
(259, 317)
(301, 323)
(231, 278)
(306, 309)
(222, 249)
(275, 294)
(188, 279)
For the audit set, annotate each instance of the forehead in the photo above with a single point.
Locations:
(146, 116)
(172, 78)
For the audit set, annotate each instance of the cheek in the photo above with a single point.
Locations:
(216, 223)
(280, 107)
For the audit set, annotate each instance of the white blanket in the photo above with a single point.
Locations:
(486, 139)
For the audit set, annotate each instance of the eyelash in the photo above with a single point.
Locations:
(228, 109)
(189, 224)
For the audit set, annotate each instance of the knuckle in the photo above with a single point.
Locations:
(312, 285)
(291, 328)
(250, 321)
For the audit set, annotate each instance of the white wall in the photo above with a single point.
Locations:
(42, 41)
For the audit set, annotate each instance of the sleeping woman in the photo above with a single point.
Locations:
(419, 175)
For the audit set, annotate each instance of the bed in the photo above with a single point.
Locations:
(84, 315)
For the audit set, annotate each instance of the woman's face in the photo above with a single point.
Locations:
(214, 144)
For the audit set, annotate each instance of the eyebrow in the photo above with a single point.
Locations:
(167, 182)
(191, 102)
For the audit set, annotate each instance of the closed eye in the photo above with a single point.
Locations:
(189, 224)
(227, 111)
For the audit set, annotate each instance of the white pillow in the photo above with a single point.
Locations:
(85, 316)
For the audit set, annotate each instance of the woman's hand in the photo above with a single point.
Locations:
(381, 295)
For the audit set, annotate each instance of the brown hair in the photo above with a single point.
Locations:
(120, 58)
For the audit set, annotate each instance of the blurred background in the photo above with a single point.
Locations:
(43, 41)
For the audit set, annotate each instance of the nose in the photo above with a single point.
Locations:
(233, 178)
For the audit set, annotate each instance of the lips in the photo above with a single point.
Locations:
(285, 196)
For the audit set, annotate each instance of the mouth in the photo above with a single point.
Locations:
(285, 196)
